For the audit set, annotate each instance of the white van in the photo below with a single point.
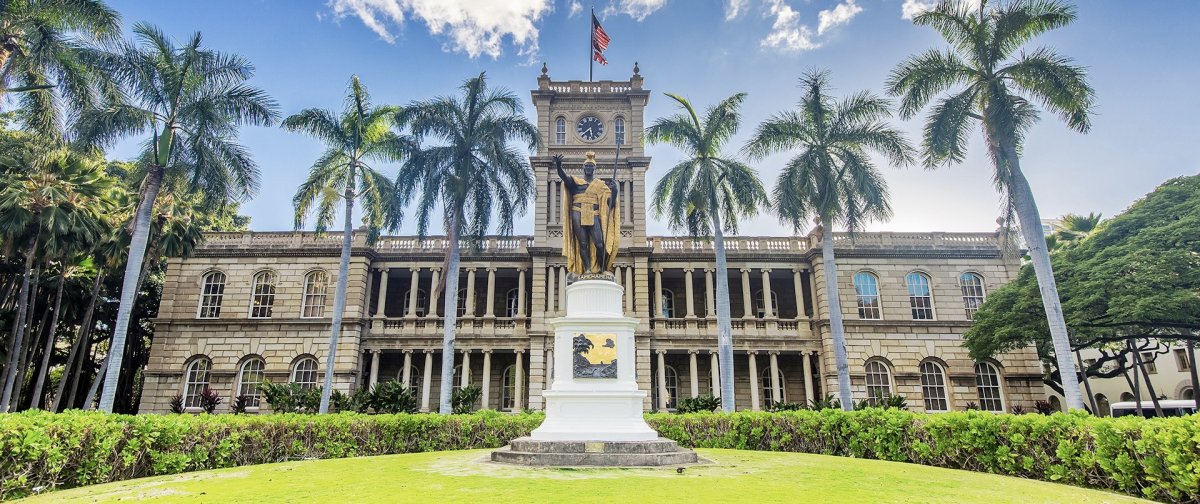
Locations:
(1170, 408)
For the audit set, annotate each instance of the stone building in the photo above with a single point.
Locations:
(255, 306)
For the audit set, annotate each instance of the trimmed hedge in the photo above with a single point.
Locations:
(1157, 459)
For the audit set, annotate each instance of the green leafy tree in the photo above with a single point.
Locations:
(192, 101)
(471, 176)
(832, 178)
(993, 82)
(705, 195)
(41, 56)
(361, 136)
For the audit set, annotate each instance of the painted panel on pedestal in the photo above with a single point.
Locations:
(595, 355)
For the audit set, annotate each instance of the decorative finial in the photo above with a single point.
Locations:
(636, 70)
(591, 157)
(544, 69)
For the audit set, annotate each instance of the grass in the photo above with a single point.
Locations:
(464, 476)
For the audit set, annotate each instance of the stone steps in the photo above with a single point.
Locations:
(659, 452)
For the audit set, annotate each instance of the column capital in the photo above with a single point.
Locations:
(435, 269)
(693, 352)
(377, 351)
(491, 269)
(773, 352)
(470, 269)
(408, 350)
(799, 269)
(688, 270)
(660, 351)
(751, 352)
(746, 270)
(710, 270)
(522, 269)
(384, 269)
(487, 351)
(414, 269)
(658, 269)
(519, 351)
(765, 270)
(466, 350)
(427, 351)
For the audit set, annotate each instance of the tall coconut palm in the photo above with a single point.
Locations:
(191, 100)
(471, 176)
(705, 195)
(40, 49)
(993, 82)
(832, 177)
(361, 136)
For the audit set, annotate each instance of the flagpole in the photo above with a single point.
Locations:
(591, 43)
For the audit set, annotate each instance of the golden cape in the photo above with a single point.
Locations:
(610, 222)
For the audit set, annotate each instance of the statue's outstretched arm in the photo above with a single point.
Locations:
(568, 180)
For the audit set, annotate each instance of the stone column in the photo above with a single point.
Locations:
(551, 273)
(519, 386)
(710, 309)
(485, 390)
(690, 297)
(426, 376)
(754, 402)
(432, 310)
(406, 373)
(799, 286)
(520, 293)
(658, 296)
(469, 312)
(412, 292)
(747, 305)
(549, 367)
(374, 369)
(381, 303)
(766, 297)
(695, 373)
(630, 291)
(776, 386)
(562, 290)
(714, 368)
(808, 383)
(662, 380)
(490, 310)
(466, 369)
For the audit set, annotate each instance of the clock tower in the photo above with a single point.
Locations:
(574, 118)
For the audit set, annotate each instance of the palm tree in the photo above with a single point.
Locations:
(994, 82)
(40, 49)
(192, 101)
(705, 195)
(362, 135)
(470, 174)
(832, 177)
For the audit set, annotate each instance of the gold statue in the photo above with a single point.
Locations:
(591, 220)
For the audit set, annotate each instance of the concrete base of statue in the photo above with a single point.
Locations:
(593, 405)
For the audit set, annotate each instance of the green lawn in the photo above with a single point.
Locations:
(464, 476)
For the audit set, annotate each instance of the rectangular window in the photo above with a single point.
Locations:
(1181, 360)
(1148, 361)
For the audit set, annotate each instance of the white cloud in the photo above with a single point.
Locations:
(637, 9)
(839, 15)
(733, 9)
(474, 27)
(911, 8)
(575, 9)
(786, 32)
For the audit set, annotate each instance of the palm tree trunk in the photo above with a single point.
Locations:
(70, 371)
(339, 296)
(31, 346)
(18, 331)
(450, 318)
(837, 328)
(129, 286)
(1035, 238)
(35, 400)
(101, 375)
(724, 324)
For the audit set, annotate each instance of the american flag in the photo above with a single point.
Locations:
(600, 41)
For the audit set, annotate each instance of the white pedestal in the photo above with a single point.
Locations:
(594, 409)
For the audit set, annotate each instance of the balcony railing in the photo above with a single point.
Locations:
(668, 244)
(431, 326)
(692, 327)
(306, 239)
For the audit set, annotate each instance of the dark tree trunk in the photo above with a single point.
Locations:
(44, 369)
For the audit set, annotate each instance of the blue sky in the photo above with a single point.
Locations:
(1141, 57)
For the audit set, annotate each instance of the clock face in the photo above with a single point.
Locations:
(589, 128)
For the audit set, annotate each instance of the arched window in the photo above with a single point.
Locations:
(672, 387)
(304, 372)
(457, 379)
(422, 299)
(619, 130)
(262, 297)
(560, 131)
(879, 382)
(462, 302)
(315, 285)
(211, 292)
(933, 387)
(767, 385)
(1126, 396)
(508, 389)
(250, 377)
(866, 288)
(1102, 405)
(511, 303)
(987, 384)
(920, 297)
(414, 379)
(1055, 404)
(758, 304)
(972, 292)
(195, 380)
(667, 304)
(1187, 394)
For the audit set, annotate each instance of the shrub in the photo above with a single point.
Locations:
(209, 400)
(1017, 409)
(176, 404)
(392, 397)
(291, 397)
(786, 406)
(239, 405)
(698, 404)
(464, 399)
(1043, 407)
(827, 402)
